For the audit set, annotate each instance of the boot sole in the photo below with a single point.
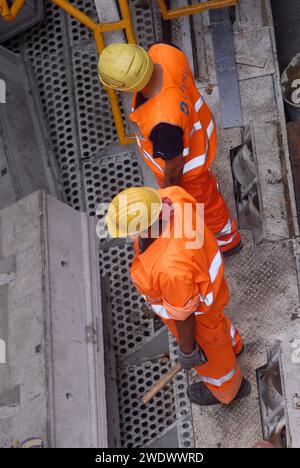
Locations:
(235, 250)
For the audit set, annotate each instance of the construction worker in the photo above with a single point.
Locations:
(184, 285)
(175, 129)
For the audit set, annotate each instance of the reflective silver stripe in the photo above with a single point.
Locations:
(215, 266)
(226, 229)
(208, 299)
(148, 156)
(197, 126)
(219, 382)
(186, 151)
(221, 242)
(160, 310)
(138, 141)
(232, 334)
(199, 104)
(210, 128)
(194, 163)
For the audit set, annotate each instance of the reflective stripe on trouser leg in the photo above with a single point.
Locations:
(226, 393)
(221, 374)
(236, 339)
(217, 216)
(228, 237)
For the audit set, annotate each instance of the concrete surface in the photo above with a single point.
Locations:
(52, 385)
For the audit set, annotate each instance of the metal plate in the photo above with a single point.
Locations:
(221, 31)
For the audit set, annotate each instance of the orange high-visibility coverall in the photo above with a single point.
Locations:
(180, 103)
(178, 281)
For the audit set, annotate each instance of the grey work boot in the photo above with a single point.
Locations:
(199, 393)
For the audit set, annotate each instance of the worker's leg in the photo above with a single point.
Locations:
(216, 212)
(219, 341)
(236, 339)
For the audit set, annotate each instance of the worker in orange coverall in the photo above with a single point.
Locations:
(179, 270)
(175, 129)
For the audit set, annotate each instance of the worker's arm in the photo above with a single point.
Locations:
(189, 354)
(186, 334)
(173, 171)
(181, 288)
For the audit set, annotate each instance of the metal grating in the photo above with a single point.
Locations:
(182, 403)
(147, 30)
(130, 326)
(106, 177)
(96, 128)
(78, 32)
(141, 424)
(47, 49)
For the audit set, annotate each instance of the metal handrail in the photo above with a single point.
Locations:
(126, 24)
(98, 29)
(173, 13)
(10, 14)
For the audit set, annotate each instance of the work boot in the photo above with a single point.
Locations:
(234, 250)
(199, 393)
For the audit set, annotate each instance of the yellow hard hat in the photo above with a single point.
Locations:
(125, 67)
(132, 211)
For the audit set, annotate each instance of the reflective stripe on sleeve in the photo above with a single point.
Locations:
(149, 157)
(215, 266)
(198, 161)
(210, 128)
(208, 299)
(160, 310)
(186, 151)
(197, 126)
(199, 104)
(232, 334)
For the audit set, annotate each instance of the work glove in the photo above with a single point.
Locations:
(196, 358)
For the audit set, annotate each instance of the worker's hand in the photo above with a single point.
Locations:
(196, 358)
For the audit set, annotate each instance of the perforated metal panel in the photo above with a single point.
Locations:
(130, 326)
(47, 48)
(142, 15)
(106, 177)
(78, 32)
(182, 403)
(140, 424)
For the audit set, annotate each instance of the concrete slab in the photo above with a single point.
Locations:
(52, 384)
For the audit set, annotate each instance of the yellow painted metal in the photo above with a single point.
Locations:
(173, 13)
(10, 13)
(98, 29)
